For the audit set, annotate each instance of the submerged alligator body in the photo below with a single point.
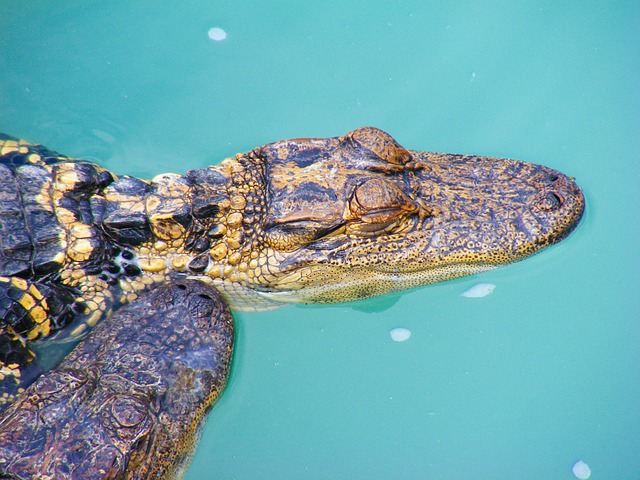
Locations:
(302, 220)
(129, 401)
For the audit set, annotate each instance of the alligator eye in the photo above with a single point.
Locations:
(377, 206)
(291, 235)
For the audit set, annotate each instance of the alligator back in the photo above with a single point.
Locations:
(48, 241)
(45, 215)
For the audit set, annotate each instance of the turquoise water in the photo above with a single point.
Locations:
(520, 384)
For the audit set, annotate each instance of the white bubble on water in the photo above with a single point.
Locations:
(479, 290)
(400, 334)
(217, 34)
(581, 470)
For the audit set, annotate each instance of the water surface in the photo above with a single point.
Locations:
(522, 383)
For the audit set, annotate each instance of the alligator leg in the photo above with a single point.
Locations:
(130, 400)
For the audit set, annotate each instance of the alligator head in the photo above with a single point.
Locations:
(346, 218)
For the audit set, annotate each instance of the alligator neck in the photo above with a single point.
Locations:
(195, 223)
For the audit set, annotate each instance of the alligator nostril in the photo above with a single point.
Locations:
(551, 201)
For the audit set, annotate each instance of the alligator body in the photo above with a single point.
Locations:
(302, 220)
(129, 401)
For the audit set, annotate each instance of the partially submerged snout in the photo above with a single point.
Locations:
(493, 210)
(357, 216)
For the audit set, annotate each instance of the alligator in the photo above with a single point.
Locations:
(130, 400)
(304, 220)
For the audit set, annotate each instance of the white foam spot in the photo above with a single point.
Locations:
(581, 470)
(479, 290)
(400, 334)
(217, 34)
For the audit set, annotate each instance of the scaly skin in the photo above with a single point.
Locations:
(304, 220)
(130, 400)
